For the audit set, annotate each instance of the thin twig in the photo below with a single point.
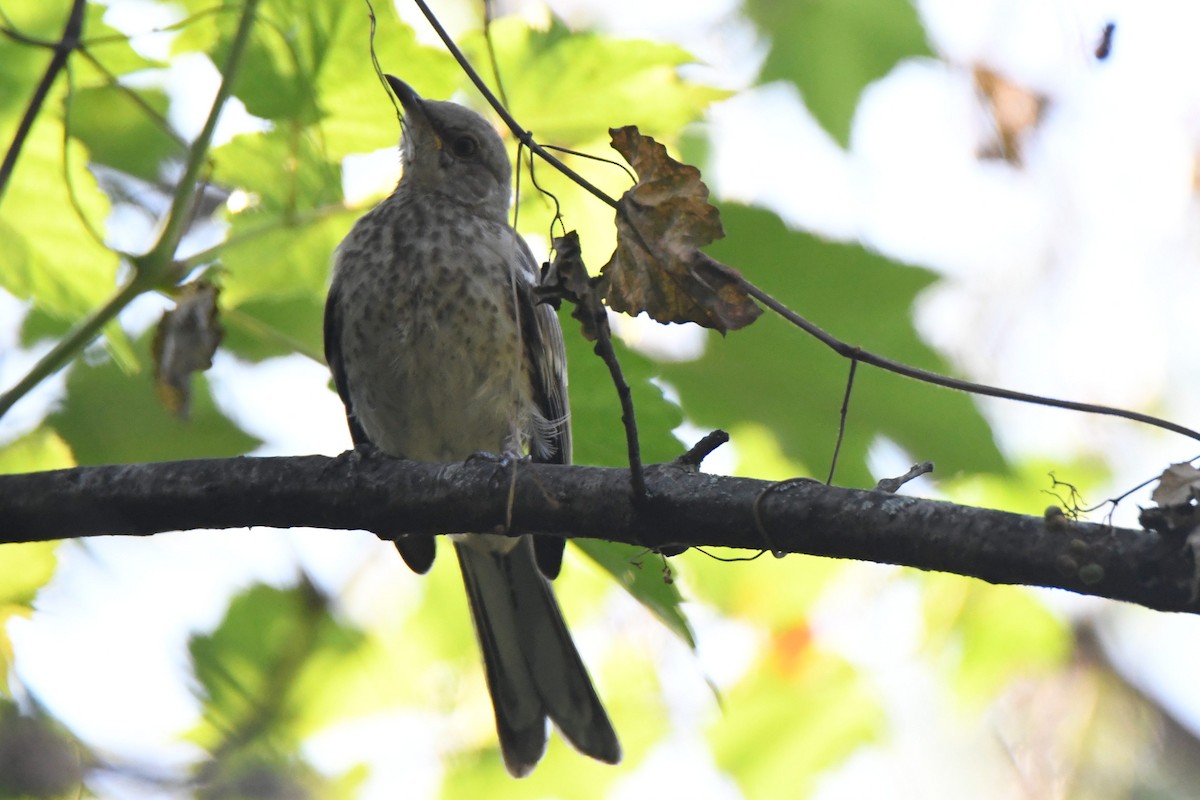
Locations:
(72, 193)
(62, 51)
(845, 412)
(850, 351)
(491, 50)
(604, 349)
(892, 485)
(702, 449)
(523, 135)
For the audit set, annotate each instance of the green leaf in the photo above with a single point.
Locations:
(990, 635)
(794, 717)
(599, 439)
(259, 329)
(23, 63)
(261, 673)
(25, 568)
(831, 49)
(626, 81)
(309, 62)
(275, 263)
(598, 433)
(645, 576)
(283, 170)
(109, 417)
(266, 259)
(40, 450)
(775, 375)
(121, 134)
(106, 45)
(50, 257)
(358, 114)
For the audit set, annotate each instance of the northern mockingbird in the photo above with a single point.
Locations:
(439, 350)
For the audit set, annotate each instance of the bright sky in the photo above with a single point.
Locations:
(1074, 276)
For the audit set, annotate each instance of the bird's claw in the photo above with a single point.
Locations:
(504, 460)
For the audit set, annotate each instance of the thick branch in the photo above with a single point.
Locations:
(390, 496)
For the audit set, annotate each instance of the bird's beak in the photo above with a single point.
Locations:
(414, 110)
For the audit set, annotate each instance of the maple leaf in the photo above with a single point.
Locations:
(662, 222)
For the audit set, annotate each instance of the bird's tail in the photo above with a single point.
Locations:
(533, 668)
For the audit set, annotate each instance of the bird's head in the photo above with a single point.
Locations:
(452, 151)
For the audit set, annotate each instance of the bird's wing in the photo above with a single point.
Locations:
(546, 352)
(417, 551)
(333, 357)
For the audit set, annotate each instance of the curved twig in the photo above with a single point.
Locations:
(67, 43)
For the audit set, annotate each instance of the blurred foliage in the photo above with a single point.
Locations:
(264, 685)
(832, 49)
(38, 759)
(284, 664)
(793, 386)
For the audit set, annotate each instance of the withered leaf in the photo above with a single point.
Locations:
(1179, 484)
(662, 222)
(1015, 110)
(566, 277)
(186, 338)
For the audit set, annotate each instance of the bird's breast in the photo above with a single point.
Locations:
(440, 370)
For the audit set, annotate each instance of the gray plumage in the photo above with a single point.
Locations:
(439, 350)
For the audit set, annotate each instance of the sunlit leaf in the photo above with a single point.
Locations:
(260, 672)
(989, 635)
(800, 713)
(40, 450)
(121, 134)
(309, 64)
(276, 326)
(50, 256)
(641, 85)
(26, 568)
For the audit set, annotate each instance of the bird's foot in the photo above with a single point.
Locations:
(506, 459)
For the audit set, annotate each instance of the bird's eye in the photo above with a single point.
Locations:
(464, 147)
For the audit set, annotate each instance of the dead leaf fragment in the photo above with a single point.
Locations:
(1015, 109)
(566, 277)
(184, 343)
(662, 221)
(1178, 485)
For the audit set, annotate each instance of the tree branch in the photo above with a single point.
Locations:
(685, 507)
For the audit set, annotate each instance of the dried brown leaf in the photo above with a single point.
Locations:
(184, 343)
(1178, 485)
(1015, 109)
(662, 222)
(567, 277)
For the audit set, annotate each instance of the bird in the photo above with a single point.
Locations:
(440, 351)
